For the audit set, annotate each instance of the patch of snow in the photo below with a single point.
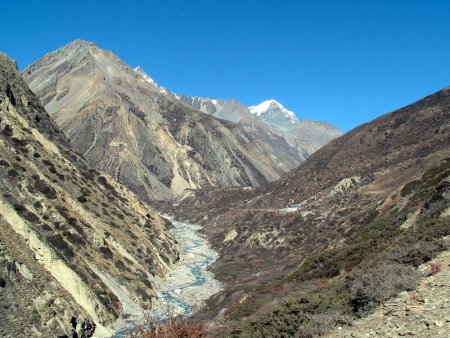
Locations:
(147, 78)
(142, 73)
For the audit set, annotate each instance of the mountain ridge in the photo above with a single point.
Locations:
(139, 133)
(303, 136)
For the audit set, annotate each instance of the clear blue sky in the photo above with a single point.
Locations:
(342, 61)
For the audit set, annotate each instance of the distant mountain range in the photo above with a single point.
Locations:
(304, 136)
(148, 138)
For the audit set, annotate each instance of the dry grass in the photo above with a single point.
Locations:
(173, 327)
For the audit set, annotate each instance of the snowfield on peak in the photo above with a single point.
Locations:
(266, 105)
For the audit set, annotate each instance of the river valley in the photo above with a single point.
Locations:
(183, 290)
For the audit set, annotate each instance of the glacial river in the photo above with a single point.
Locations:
(189, 283)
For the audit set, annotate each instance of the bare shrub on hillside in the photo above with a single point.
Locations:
(380, 284)
(321, 323)
(173, 327)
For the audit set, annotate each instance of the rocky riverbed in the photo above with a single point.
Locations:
(184, 289)
(190, 283)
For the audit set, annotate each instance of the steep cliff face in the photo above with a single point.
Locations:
(69, 234)
(143, 135)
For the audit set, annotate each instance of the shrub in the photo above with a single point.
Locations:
(42, 187)
(243, 309)
(321, 323)
(82, 199)
(63, 211)
(75, 239)
(173, 327)
(301, 314)
(103, 181)
(61, 245)
(25, 213)
(434, 268)
(19, 142)
(380, 284)
(7, 131)
(3, 163)
(47, 163)
(46, 227)
(119, 265)
(419, 253)
(13, 173)
(106, 252)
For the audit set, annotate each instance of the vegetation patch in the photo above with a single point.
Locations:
(375, 263)
(381, 283)
(45, 189)
(61, 246)
(106, 252)
(13, 173)
(25, 213)
(7, 130)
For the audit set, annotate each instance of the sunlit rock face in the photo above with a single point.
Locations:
(143, 135)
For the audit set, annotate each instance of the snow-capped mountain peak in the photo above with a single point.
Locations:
(274, 113)
(270, 104)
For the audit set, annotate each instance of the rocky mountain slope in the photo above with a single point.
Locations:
(271, 119)
(77, 250)
(141, 134)
(307, 242)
